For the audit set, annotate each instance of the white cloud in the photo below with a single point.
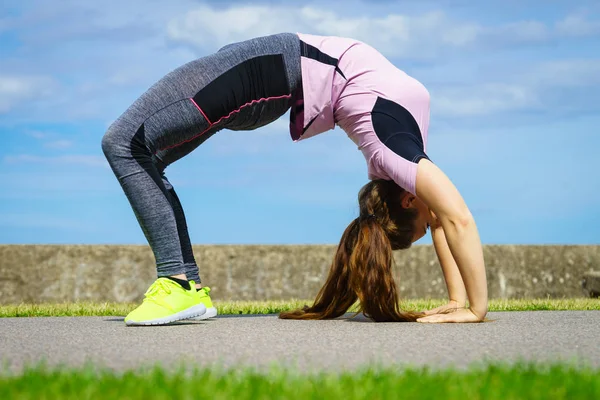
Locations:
(415, 36)
(37, 134)
(205, 26)
(566, 73)
(4, 24)
(394, 34)
(131, 50)
(15, 89)
(485, 99)
(63, 181)
(59, 144)
(28, 220)
(520, 31)
(50, 140)
(82, 160)
(577, 25)
(534, 87)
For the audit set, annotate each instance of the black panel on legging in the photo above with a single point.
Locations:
(257, 78)
(398, 130)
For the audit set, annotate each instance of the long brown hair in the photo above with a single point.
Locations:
(362, 266)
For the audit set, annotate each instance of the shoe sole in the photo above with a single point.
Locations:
(192, 312)
(210, 313)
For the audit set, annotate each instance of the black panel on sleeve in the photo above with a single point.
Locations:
(397, 129)
(309, 51)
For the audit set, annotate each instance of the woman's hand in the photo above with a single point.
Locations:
(461, 315)
(452, 306)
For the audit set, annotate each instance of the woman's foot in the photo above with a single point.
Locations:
(211, 311)
(167, 301)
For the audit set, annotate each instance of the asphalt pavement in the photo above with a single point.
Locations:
(264, 340)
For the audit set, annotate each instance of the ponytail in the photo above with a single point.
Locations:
(362, 266)
(361, 270)
(337, 294)
(371, 263)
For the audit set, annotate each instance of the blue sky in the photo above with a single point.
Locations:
(515, 97)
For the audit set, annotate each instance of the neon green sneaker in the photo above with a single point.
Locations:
(166, 301)
(211, 311)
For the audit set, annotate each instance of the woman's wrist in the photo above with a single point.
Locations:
(479, 311)
(459, 303)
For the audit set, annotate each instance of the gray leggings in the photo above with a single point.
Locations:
(241, 87)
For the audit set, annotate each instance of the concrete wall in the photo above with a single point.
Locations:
(56, 273)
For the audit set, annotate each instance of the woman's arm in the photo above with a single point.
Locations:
(457, 295)
(437, 191)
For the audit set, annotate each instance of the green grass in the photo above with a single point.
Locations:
(521, 381)
(272, 307)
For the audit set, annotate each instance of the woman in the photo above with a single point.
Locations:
(325, 81)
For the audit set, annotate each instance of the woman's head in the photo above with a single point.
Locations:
(402, 215)
(389, 219)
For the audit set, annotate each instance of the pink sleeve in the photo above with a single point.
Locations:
(385, 164)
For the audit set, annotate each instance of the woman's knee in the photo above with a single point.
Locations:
(112, 139)
(118, 139)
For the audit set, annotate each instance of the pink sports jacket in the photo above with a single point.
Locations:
(384, 111)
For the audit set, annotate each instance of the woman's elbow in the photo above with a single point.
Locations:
(459, 221)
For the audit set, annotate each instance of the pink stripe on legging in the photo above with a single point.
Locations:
(211, 124)
(202, 112)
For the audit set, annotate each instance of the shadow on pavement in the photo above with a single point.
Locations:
(244, 316)
(184, 322)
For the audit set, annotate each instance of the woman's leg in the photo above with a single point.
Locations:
(129, 149)
(257, 69)
(189, 261)
(245, 86)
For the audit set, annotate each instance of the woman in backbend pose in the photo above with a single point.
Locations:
(325, 81)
